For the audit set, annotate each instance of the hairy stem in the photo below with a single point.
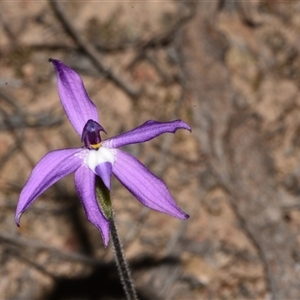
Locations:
(122, 264)
(103, 197)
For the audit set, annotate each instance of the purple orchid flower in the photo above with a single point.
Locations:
(98, 158)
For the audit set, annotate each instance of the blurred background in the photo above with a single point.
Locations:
(231, 70)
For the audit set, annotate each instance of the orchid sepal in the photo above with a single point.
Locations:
(150, 190)
(145, 132)
(51, 168)
(76, 102)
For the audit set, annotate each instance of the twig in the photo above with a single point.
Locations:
(33, 245)
(7, 29)
(20, 255)
(21, 119)
(18, 136)
(161, 39)
(40, 120)
(90, 51)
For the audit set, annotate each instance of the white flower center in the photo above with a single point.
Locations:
(103, 154)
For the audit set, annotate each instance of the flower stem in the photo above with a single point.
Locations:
(122, 264)
(103, 197)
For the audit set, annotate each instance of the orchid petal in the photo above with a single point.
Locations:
(144, 133)
(145, 186)
(73, 96)
(51, 168)
(85, 181)
(104, 171)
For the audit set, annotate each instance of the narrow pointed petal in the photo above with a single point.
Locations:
(104, 171)
(85, 181)
(51, 168)
(145, 186)
(73, 96)
(145, 132)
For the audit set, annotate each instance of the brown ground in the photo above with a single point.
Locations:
(229, 69)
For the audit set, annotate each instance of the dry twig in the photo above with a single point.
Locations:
(91, 52)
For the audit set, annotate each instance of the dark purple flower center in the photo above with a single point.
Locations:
(91, 135)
